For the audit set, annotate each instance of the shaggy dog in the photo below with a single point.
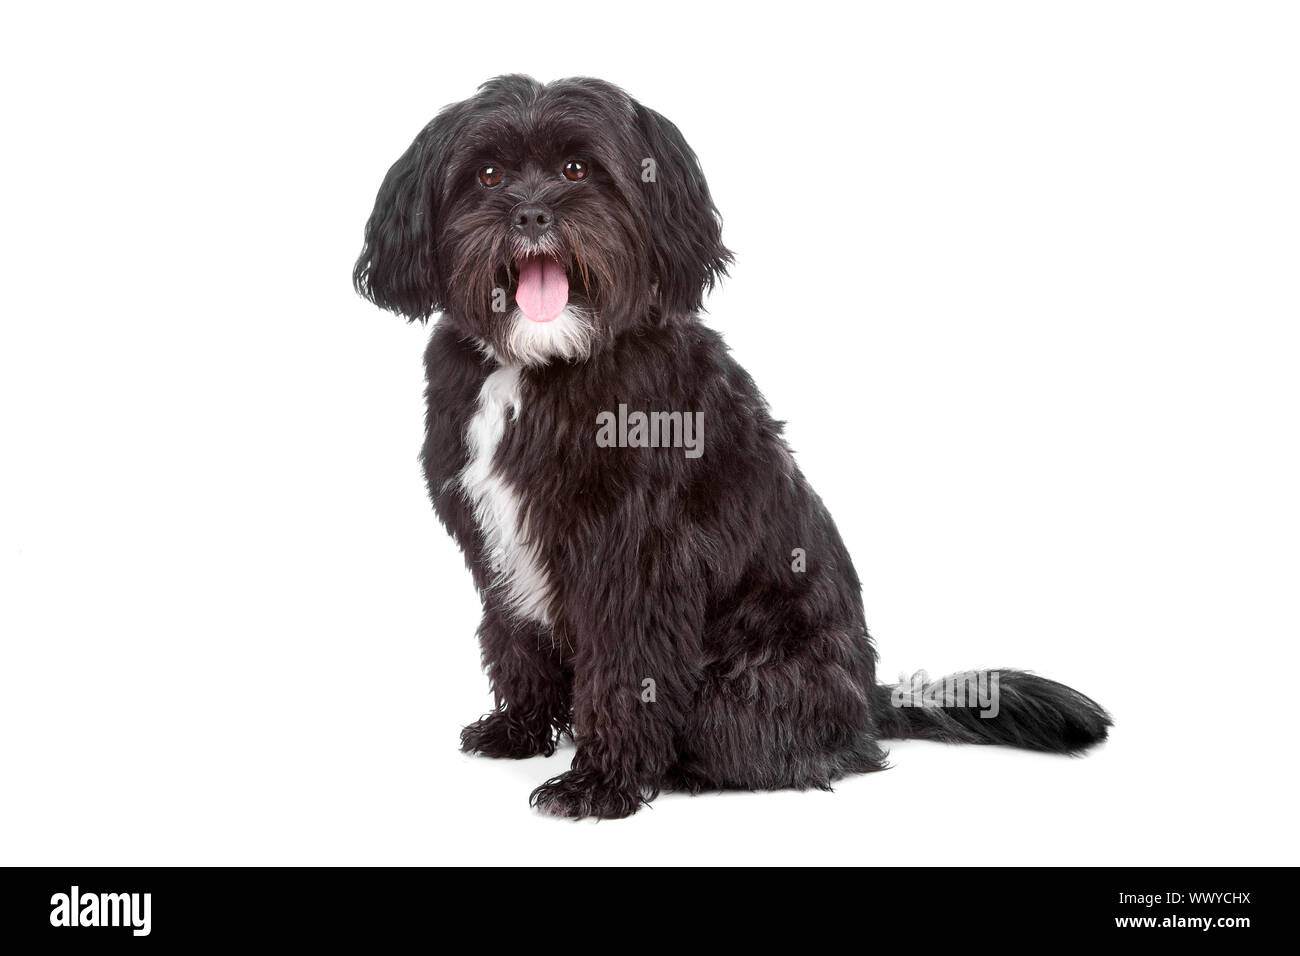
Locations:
(658, 579)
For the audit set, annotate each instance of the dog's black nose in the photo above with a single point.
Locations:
(533, 221)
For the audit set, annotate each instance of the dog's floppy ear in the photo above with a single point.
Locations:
(398, 268)
(685, 227)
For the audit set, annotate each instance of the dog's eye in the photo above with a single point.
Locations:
(490, 175)
(575, 169)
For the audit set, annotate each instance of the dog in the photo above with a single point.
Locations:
(691, 620)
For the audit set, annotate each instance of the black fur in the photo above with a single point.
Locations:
(660, 566)
(1036, 713)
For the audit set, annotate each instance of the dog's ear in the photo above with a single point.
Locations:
(398, 268)
(685, 227)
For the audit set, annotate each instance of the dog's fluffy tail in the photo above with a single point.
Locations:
(1008, 707)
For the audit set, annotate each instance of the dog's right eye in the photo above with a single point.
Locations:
(490, 176)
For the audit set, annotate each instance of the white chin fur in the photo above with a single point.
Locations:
(567, 336)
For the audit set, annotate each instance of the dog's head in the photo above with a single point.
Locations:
(544, 220)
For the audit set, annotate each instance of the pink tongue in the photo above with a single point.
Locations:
(543, 288)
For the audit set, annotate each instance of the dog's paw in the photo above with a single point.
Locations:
(577, 794)
(496, 735)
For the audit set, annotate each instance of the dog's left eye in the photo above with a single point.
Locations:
(575, 169)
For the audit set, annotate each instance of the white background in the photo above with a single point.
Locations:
(1021, 276)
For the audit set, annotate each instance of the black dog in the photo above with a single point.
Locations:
(683, 607)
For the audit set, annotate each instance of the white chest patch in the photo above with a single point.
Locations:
(514, 561)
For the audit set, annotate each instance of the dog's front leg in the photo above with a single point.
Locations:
(636, 672)
(530, 679)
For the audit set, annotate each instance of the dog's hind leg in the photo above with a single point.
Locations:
(800, 723)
